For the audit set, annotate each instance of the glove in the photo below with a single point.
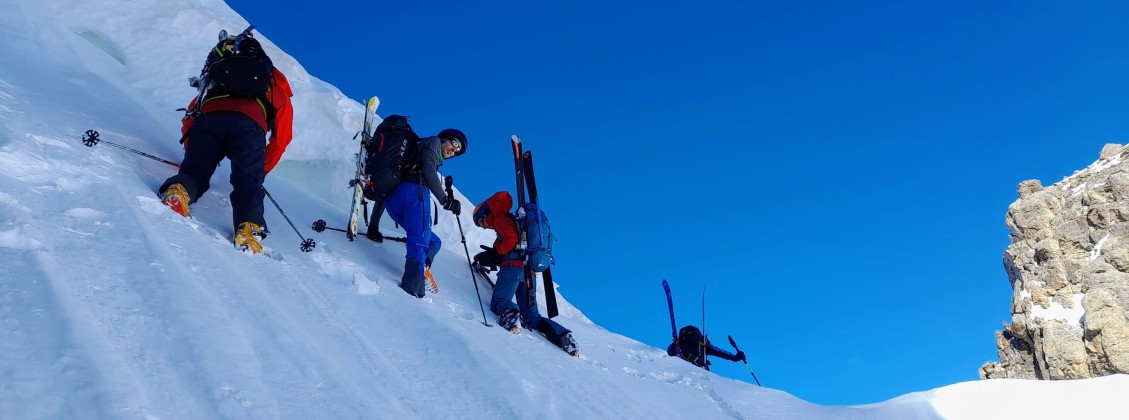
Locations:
(740, 355)
(453, 205)
(488, 257)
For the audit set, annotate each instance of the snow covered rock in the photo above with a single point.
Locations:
(1068, 264)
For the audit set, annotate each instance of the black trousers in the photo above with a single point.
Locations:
(214, 136)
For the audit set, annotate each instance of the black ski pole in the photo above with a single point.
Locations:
(450, 196)
(320, 226)
(91, 138)
(734, 344)
(307, 244)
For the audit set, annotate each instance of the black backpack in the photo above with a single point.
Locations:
(239, 67)
(392, 152)
(690, 342)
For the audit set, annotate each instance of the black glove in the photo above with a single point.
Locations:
(740, 355)
(488, 257)
(453, 205)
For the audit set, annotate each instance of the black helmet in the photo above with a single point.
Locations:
(454, 134)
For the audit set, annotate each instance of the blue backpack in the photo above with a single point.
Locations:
(538, 236)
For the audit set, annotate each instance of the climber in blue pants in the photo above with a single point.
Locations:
(410, 204)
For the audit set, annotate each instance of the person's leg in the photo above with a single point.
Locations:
(527, 303)
(202, 153)
(246, 149)
(407, 207)
(504, 289)
(373, 231)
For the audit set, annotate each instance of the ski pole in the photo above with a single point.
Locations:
(320, 226)
(92, 137)
(307, 244)
(705, 336)
(450, 196)
(734, 344)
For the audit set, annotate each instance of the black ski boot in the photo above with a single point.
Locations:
(374, 235)
(509, 320)
(568, 344)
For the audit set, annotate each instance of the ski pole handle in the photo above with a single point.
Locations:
(448, 181)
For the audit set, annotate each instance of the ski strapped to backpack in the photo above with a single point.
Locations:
(358, 211)
(533, 226)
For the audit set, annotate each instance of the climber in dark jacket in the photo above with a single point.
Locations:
(690, 344)
(410, 205)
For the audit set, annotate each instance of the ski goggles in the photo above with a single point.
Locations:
(458, 145)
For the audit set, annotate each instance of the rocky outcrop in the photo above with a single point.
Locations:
(1068, 264)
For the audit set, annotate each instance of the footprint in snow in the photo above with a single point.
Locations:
(460, 312)
(363, 286)
(633, 372)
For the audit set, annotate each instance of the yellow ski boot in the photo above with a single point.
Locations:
(176, 198)
(247, 237)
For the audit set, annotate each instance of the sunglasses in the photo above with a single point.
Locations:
(458, 145)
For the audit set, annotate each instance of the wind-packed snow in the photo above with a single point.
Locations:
(113, 306)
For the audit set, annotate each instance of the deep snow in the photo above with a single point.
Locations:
(114, 307)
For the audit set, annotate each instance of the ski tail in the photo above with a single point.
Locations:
(547, 275)
(550, 293)
(673, 325)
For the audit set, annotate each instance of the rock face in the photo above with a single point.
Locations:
(1068, 264)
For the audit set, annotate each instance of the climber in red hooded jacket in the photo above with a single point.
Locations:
(514, 279)
(231, 120)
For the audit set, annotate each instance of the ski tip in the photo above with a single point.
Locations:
(515, 138)
(373, 102)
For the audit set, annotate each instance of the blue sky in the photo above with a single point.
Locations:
(837, 173)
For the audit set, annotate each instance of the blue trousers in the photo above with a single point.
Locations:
(511, 283)
(410, 206)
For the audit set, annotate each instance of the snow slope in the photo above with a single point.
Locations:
(114, 307)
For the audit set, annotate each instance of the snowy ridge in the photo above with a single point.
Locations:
(115, 307)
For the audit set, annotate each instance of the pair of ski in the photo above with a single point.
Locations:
(705, 340)
(523, 168)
